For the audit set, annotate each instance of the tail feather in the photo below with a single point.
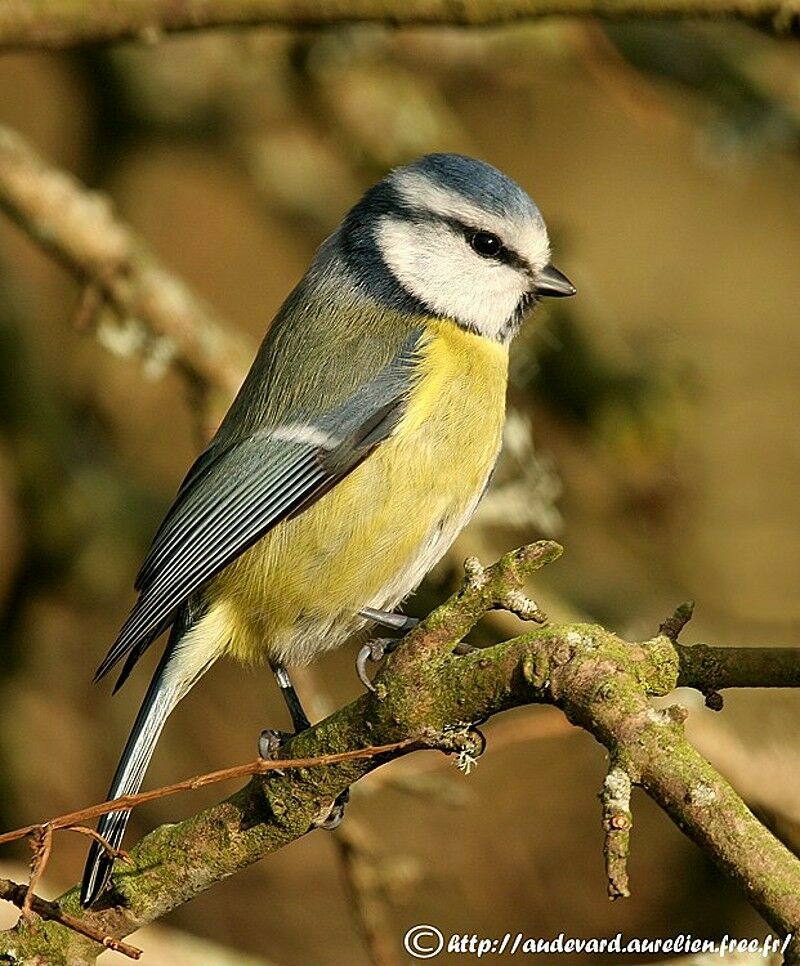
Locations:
(161, 698)
(191, 650)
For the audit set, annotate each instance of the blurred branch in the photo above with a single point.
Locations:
(427, 697)
(155, 315)
(59, 23)
(361, 873)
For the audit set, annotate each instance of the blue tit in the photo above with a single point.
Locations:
(358, 447)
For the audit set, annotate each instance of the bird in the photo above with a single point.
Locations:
(357, 448)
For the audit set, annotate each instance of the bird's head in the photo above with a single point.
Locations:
(456, 238)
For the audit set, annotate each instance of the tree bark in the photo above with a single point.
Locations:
(434, 698)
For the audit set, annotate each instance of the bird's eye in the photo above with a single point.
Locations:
(485, 244)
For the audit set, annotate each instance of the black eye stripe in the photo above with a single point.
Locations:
(421, 216)
(504, 254)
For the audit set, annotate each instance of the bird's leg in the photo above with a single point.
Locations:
(299, 718)
(394, 622)
(375, 651)
(270, 741)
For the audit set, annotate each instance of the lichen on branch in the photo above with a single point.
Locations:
(429, 697)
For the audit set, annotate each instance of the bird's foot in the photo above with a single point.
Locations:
(374, 652)
(270, 742)
(334, 817)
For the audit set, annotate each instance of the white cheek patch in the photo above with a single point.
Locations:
(436, 266)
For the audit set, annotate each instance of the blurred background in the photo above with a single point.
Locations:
(652, 430)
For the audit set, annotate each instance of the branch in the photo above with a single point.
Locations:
(601, 682)
(56, 24)
(617, 822)
(21, 896)
(134, 303)
(709, 668)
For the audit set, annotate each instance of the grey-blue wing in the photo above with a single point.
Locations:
(232, 498)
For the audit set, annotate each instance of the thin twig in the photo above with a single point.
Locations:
(258, 767)
(119, 854)
(18, 895)
(41, 842)
(412, 775)
(676, 622)
(708, 668)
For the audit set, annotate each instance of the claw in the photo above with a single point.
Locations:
(372, 651)
(334, 817)
(270, 741)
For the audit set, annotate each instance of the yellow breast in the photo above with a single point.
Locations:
(370, 540)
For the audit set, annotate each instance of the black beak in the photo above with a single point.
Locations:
(554, 284)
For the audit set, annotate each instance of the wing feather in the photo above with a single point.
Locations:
(231, 499)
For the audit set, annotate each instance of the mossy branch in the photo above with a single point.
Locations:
(708, 668)
(431, 698)
(70, 23)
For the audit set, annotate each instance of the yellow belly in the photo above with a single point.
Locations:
(371, 539)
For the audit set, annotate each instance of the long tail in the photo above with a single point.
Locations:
(187, 657)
